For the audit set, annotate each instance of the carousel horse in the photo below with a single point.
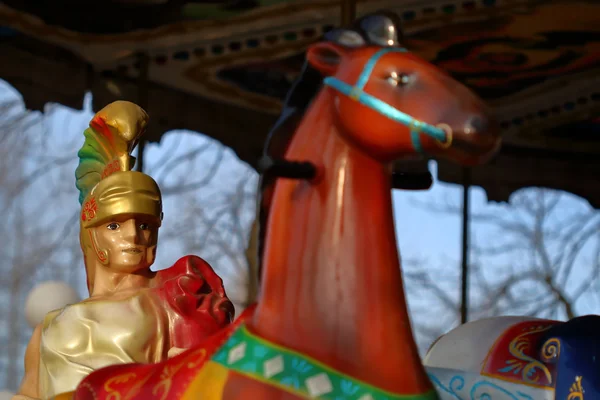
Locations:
(382, 28)
(331, 321)
(518, 358)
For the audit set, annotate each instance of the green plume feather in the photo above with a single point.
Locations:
(112, 135)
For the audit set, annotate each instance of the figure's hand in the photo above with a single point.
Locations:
(192, 294)
(197, 295)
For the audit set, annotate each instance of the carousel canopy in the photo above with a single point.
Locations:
(222, 67)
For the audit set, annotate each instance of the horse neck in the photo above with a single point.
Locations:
(332, 287)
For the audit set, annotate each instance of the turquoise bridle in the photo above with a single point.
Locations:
(356, 92)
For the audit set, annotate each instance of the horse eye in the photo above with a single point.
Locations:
(144, 226)
(398, 79)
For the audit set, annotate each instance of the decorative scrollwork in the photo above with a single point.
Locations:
(576, 390)
(456, 384)
(551, 350)
(196, 358)
(163, 387)
(528, 365)
(485, 390)
(115, 394)
(480, 389)
(111, 168)
(89, 209)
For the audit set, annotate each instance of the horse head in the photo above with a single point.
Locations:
(396, 105)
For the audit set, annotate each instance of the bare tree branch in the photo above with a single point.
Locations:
(539, 256)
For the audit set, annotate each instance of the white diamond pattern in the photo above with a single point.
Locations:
(318, 385)
(236, 353)
(273, 366)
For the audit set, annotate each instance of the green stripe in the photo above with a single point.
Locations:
(250, 355)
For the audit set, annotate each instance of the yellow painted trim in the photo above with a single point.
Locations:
(208, 384)
(267, 382)
(64, 396)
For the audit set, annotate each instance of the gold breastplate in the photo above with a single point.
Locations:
(90, 335)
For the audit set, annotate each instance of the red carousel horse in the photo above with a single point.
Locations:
(331, 321)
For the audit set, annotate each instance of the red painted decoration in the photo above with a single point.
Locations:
(514, 356)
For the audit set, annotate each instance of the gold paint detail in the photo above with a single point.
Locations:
(198, 357)
(576, 390)
(551, 350)
(448, 142)
(166, 380)
(88, 210)
(101, 254)
(114, 394)
(529, 364)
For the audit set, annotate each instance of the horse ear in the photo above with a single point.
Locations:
(325, 57)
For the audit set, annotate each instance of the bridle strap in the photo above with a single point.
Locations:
(357, 93)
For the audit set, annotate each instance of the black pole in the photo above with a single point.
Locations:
(144, 63)
(348, 12)
(464, 295)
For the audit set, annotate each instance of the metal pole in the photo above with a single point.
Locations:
(464, 295)
(144, 62)
(348, 13)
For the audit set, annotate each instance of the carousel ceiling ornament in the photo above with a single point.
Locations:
(246, 53)
(535, 62)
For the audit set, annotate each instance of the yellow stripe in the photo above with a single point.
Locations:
(64, 396)
(278, 385)
(209, 384)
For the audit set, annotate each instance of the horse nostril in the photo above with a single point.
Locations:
(477, 125)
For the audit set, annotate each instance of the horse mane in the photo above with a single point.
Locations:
(372, 29)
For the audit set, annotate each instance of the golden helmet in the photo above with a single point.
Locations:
(108, 187)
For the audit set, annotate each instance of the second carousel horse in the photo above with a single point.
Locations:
(518, 358)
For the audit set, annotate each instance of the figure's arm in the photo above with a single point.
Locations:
(30, 384)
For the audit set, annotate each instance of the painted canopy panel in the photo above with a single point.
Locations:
(123, 16)
(536, 62)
